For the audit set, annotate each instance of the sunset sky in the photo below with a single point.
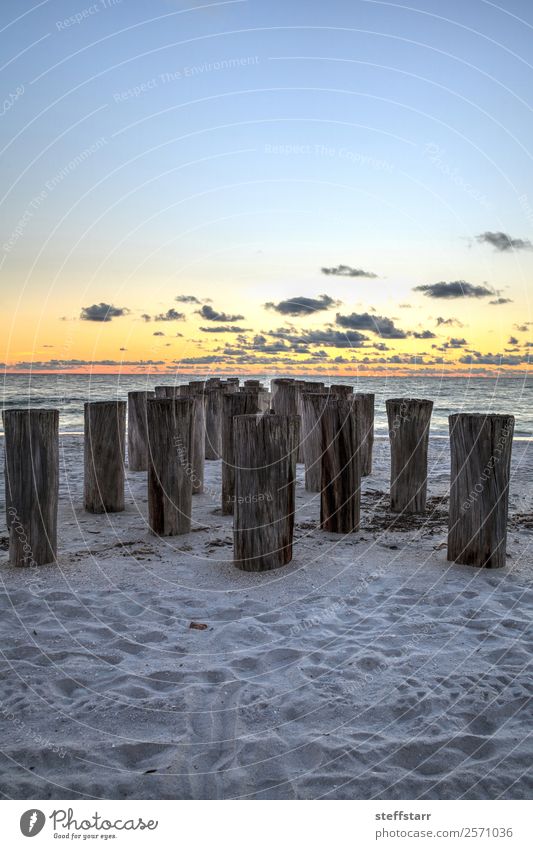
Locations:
(267, 187)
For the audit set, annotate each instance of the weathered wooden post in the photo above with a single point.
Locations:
(31, 444)
(233, 381)
(213, 422)
(234, 404)
(263, 401)
(137, 431)
(198, 436)
(480, 446)
(169, 468)
(340, 492)
(365, 422)
(104, 454)
(197, 385)
(274, 386)
(340, 390)
(304, 387)
(313, 404)
(285, 403)
(409, 420)
(160, 391)
(265, 471)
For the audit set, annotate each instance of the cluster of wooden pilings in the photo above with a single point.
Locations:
(260, 436)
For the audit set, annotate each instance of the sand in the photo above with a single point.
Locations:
(370, 667)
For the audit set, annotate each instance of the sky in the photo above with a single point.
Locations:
(340, 188)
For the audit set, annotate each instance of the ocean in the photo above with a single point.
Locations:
(68, 392)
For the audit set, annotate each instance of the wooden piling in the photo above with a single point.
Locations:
(365, 422)
(340, 492)
(213, 422)
(409, 420)
(340, 390)
(265, 470)
(284, 402)
(234, 404)
(31, 444)
(304, 387)
(170, 467)
(137, 431)
(198, 435)
(312, 405)
(480, 447)
(104, 456)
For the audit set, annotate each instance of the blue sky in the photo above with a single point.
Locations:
(234, 149)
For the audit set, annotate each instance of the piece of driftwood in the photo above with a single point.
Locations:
(234, 404)
(104, 456)
(31, 444)
(170, 468)
(198, 435)
(340, 490)
(137, 431)
(480, 446)
(312, 405)
(365, 423)
(409, 420)
(265, 471)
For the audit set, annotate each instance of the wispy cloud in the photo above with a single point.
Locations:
(348, 271)
(187, 299)
(230, 328)
(448, 322)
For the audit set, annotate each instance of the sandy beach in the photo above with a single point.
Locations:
(370, 667)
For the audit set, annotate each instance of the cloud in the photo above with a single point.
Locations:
(456, 289)
(158, 333)
(498, 301)
(209, 314)
(170, 315)
(374, 323)
(503, 242)
(448, 322)
(424, 334)
(211, 358)
(523, 328)
(146, 317)
(512, 340)
(187, 299)
(348, 271)
(56, 365)
(302, 305)
(225, 329)
(328, 338)
(493, 359)
(102, 312)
